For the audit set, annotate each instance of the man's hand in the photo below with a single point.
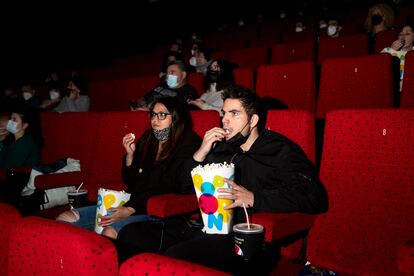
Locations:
(237, 193)
(212, 136)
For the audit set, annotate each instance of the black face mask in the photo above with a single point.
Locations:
(212, 76)
(237, 140)
(376, 19)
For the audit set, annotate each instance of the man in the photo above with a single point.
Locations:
(272, 174)
(175, 86)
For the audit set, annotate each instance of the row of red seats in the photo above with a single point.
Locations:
(358, 82)
(368, 169)
(38, 246)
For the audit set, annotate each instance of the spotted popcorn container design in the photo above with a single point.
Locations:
(207, 179)
(108, 199)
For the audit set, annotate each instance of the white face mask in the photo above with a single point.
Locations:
(332, 30)
(27, 95)
(54, 95)
(193, 61)
(299, 29)
(12, 127)
(322, 25)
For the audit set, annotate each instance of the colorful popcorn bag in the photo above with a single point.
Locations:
(207, 179)
(108, 199)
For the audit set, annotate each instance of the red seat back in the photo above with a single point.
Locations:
(339, 47)
(40, 246)
(384, 39)
(204, 120)
(360, 82)
(297, 125)
(136, 87)
(196, 80)
(106, 171)
(106, 95)
(9, 216)
(407, 94)
(289, 52)
(244, 77)
(71, 134)
(293, 84)
(250, 57)
(368, 170)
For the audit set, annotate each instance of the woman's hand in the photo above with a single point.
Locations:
(129, 144)
(397, 45)
(212, 136)
(198, 102)
(237, 193)
(116, 215)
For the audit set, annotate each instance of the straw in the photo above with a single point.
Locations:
(77, 190)
(247, 216)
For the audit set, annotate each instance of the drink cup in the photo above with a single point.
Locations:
(248, 241)
(77, 198)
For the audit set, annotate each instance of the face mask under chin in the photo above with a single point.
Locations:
(237, 140)
(162, 134)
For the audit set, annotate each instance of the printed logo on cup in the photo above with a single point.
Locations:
(206, 181)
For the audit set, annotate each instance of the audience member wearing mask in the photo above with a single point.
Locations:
(167, 58)
(175, 85)
(333, 28)
(28, 94)
(219, 76)
(201, 59)
(152, 165)
(401, 46)
(52, 102)
(380, 18)
(24, 150)
(5, 137)
(77, 99)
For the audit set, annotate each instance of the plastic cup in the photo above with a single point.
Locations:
(77, 199)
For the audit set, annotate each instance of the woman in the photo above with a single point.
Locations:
(152, 166)
(219, 76)
(77, 99)
(401, 46)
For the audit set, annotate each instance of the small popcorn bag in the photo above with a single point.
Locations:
(108, 199)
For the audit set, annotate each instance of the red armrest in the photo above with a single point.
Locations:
(51, 181)
(168, 205)
(5, 171)
(406, 258)
(282, 225)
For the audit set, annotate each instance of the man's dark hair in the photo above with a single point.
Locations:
(179, 63)
(249, 100)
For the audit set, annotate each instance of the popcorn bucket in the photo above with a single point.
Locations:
(108, 199)
(207, 179)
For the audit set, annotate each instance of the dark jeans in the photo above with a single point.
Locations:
(179, 239)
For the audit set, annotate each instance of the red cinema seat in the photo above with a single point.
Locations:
(407, 94)
(9, 216)
(250, 57)
(196, 80)
(40, 246)
(290, 52)
(341, 47)
(293, 84)
(106, 95)
(244, 77)
(359, 82)
(136, 87)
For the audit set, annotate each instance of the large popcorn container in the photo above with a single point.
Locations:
(207, 179)
(108, 199)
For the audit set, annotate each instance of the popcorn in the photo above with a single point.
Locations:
(133, 135)
(212, 167)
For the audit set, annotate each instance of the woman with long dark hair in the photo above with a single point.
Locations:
(152, 165)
